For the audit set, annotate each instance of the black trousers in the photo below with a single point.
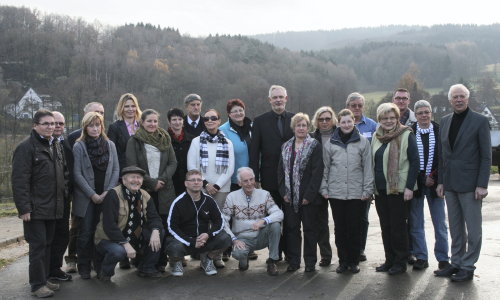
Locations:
(392, 211)
(365, 223)
(177, 250)
(280, 203)
(347, 216)
(39, 235)
(325, 249)
(61, 240)
(307, 216)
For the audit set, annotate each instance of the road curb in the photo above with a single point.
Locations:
(11, 241)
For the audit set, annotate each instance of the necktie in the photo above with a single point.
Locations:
(280, 126)
(193, 124)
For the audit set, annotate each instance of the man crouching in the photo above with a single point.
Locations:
(255, 221)
(197, 227)
(129, 227)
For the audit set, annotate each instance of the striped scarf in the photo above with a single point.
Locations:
(420, 145)
(221, 156)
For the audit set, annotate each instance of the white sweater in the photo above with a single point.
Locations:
(193, 162)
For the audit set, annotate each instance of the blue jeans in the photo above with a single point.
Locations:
(417, 232)
(85, 242)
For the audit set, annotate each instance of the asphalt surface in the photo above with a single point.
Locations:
(231, 283)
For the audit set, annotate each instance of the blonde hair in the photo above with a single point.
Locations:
(299, 117)
(386, 108)
(319, 112)
(88, 119)
(121, 104)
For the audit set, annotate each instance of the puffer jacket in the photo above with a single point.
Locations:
(348, 170)
(38, 178)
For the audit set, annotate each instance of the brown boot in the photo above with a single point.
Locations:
(272, 268)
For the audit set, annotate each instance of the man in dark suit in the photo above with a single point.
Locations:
(464, 168)
(192, 121)
(270, 130)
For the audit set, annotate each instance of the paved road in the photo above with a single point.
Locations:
(230, 283)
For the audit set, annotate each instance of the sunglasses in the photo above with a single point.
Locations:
(211, 118)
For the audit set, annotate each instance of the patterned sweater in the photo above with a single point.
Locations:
(244, 213)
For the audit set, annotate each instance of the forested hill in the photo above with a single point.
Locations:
(76, 62)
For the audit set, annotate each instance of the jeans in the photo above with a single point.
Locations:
(436, 208)
(215, 245)
(85, 243)
(268, 236)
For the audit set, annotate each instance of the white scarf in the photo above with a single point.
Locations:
(420, 145)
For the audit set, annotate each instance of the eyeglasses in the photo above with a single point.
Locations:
(355, 105)
(421, 113)
(401, 98)
(211, 118)
(388, 119)
(321, 120)
(47, 124)
(195, 180)
(59, 123)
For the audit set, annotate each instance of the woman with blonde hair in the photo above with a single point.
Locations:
(96, 171)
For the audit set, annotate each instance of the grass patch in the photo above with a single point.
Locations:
(493, 169)
(4, 262)
(8, 210)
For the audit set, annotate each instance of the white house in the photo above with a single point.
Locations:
(29, 104)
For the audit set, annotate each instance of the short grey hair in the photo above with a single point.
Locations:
(191, 97)
(87, 107)
(354, 96)
(244, 169)
(422, 103)
(276, 87)
(459, 86)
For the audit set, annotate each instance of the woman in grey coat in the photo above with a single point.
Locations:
(347, 181)
(96, 171)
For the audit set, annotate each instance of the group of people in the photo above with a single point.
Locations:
(141, 195)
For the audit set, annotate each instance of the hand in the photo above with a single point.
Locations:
(211, 189)
(258, 225)
(201, 240)
(103, 195)
(159, 185)
(96, 199)
(130, 250)
(440, 191)
(325, 196)
(26, 217)
(408, 195)
(240, 245)
(305, 202)
(429, 181)
(285, 198)
(366, 198)
(481, 193)
(154, 241)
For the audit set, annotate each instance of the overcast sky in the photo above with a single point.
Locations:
(203, 17)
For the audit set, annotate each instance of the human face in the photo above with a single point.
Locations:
(97, 108)
(194, 183)
(424, 116)
(45, 127)
(346, 124)
(237, 114)
(458, 100)
(211, 124)
(402, 100)
(94, 129)
(129, 110)
(325, 121)
(356, 106)
(150, 124)
(194, 109)
(278, 100)
(133, 181)
(247, 182)
(59, 120)
(176, 123)
(388, 121)
(301, 129)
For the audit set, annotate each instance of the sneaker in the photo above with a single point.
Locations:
(207, 265)
(52, 286)
(272, 268)
(219, 264)
(420, 264)
(243, 264)
(43, 292)
(71, 267)
(176, 268)
(60, 275)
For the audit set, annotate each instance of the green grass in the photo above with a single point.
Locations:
(8, 210)
(4, 262)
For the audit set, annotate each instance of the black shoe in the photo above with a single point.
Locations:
(125, 264)
(411, 260)
(292, 268)
(149, 275)
(383, 267)
(443, 264)
(252, 256)
(310, 269)
(243, 265)
(462, 275)
(341, 269)
(446, 272)
(354, 269)
(103, 278)
(324, 262)
(420, 264)
(85, 275)
(396, 269)
(362, 257)
(60, 275)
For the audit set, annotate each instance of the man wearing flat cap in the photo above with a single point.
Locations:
(129, 227)
(192, 121)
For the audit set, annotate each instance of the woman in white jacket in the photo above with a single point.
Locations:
(347, 180)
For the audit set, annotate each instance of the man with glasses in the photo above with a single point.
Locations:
(356, 102)
(401, 98)
(38, 189)
(196, 226)
(192, 121)
(270, 130)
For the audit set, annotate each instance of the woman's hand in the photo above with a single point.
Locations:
(285, 198)
(325, 196)
(211, 189)
(408, 195)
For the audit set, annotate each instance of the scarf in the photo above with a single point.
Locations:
(294, 163)
(244, 130)
(420, 145)
(98, 151)
(393, 136)
(160, 138)
(179, 137)
(222, 154)
(135, 220)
